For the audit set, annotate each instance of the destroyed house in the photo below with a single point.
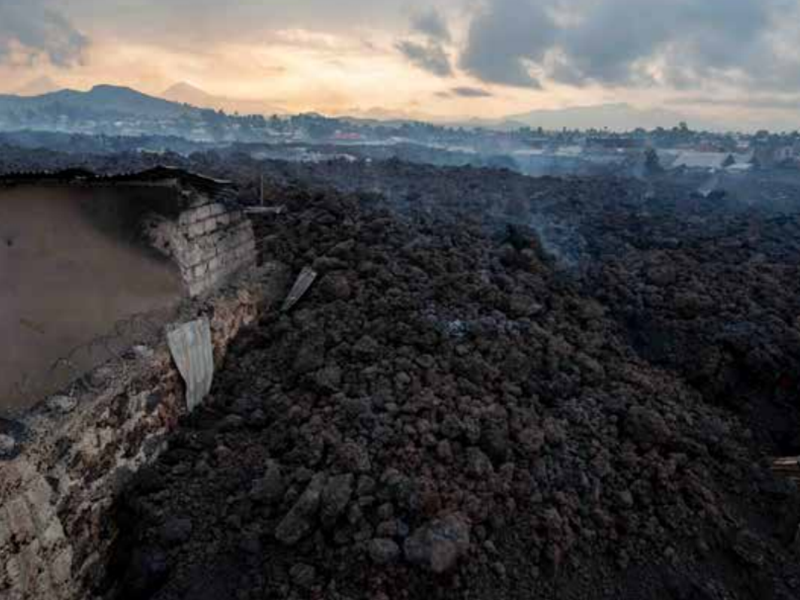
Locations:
(81, 253)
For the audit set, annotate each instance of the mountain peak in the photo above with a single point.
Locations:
(106, 87)
(186, 93)
(186, 90)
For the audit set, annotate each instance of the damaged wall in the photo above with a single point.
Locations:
(209, 241)
(76, 266)
(72, 266)
(58, 482)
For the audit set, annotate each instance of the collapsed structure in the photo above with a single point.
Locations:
(200, 226)
(63, 460)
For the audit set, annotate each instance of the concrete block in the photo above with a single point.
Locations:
(192, 255)
(198, 213)
(217, 209)
(214, 238)
(196, 230)
(185, 219)
(207, 252)
(196, 288)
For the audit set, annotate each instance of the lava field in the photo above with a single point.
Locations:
(574, 395)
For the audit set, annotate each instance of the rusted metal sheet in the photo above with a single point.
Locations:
(190, 345)
(788, 467)
(265, 210)
(304, 281)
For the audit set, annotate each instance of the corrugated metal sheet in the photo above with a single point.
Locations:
(191, 349)
(304, 281)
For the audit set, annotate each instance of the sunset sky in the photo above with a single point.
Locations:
(734, 59)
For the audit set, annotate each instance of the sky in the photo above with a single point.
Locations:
(737, 61)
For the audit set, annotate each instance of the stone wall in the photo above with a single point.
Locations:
(210, 242)
(58, 484)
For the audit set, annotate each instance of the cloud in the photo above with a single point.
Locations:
(431, 24)
(33, 29)
(503, 41)
(679, 43)
(430, 57)
(198, 22)
(470, 92)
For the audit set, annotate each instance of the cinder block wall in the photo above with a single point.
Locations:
(210, 242)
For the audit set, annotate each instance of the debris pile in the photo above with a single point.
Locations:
(445, 414)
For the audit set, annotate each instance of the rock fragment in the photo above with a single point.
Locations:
(439, 545)
(300, 519)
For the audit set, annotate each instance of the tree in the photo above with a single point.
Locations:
(652, 164)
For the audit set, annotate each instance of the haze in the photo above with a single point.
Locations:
(734, 61)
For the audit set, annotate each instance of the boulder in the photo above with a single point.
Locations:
(439, 545)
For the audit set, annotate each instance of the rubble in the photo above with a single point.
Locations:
(64, 404)
(299, 521)
(7, 445)
(465, 421)
(438, 545)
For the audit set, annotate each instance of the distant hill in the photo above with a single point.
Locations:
(615, 117)
(186, 93)
(119, 111)
(101, 100)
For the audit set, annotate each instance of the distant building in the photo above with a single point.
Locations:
(343, 136)
(768, 155)
(694, 160)
(614, 143)
(784, 153)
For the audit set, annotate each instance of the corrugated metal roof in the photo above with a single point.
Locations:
(217, 189)
(190, 345)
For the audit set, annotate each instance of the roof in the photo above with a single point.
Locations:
(700, 160)
(694, 159)
(218, 189)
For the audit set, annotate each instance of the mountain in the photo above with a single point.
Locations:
(101, 100)
(38, 87)
(615, 117)
(186, 93)
(119, 111)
